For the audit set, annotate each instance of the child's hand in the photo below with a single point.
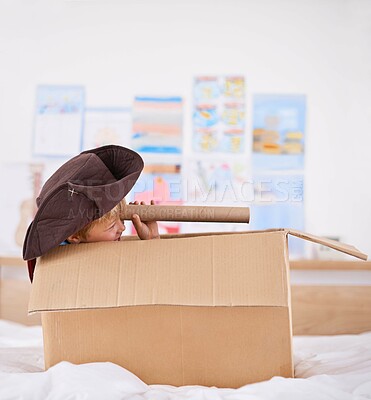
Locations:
(146, 230)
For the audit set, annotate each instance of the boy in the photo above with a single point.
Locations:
(81, 202)
(110, 227)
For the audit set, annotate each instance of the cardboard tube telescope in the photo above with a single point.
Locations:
(187, 213)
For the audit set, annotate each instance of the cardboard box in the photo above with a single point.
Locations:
(209, 309)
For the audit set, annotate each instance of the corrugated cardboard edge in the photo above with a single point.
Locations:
(200, 234)
(287, 263)
(339, 246)
(344, 248)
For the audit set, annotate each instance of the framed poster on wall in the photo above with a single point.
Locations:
(278, 132)
(157, 125)
(219, 114)
(59, 119)
(105, 126)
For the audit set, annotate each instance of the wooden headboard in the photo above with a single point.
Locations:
(316, 309)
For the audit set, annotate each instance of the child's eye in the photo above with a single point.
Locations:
(110, 227)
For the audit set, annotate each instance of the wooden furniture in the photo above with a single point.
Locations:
(316, 309)
(330, 309)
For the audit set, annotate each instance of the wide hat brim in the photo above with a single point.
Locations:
(80, 191)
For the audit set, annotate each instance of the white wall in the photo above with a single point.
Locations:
(119, 49)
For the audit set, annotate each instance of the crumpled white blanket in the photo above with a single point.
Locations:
(327, 367)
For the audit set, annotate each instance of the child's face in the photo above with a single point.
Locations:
(108, 231)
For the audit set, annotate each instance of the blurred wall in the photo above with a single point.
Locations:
(119, 49)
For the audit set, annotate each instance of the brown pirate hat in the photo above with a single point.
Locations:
(80, 191)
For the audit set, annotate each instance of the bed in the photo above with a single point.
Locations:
(332, 346)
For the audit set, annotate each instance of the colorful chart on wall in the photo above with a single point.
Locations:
(279, 203)
(163, 184)
(278, 132)
(157, 124)
(58, 123)
(219, 114)
(215, 183)
(105, 126)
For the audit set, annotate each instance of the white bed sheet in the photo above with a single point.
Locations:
(326, 367)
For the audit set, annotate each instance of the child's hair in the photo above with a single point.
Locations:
(111, 215)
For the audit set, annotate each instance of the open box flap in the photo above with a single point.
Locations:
(344, 248)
